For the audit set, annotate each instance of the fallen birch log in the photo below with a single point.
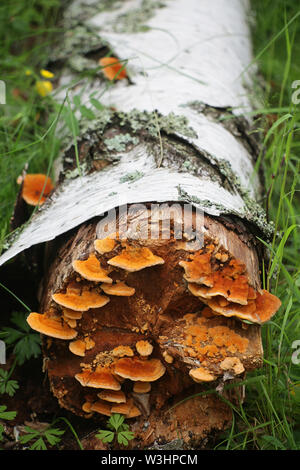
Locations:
(152, 291)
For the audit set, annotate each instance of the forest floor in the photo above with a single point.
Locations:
(269, 416)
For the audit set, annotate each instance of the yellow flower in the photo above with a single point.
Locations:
(28, 72)
(46, 73)
(43, 87)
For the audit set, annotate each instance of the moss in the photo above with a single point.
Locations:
(119, 142)
(134, 20)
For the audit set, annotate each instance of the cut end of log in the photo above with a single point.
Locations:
(171, 319)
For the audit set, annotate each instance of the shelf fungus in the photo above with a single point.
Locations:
(135, 258)
(113, 396)
(100, 378)
(229, 293)
(137, 369)
(80, 302)
(120, 289)
(91, 270)
(36, 188)
(105, 245)
(168, 324)
(56, 328)
(112, 68)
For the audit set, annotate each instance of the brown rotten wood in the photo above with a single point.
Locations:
(161, 334)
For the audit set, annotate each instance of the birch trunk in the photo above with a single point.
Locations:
(171, 133)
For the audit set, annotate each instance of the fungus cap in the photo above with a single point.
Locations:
(199, 269)
(78, 347)
(144, 348)
(141, 387)
(120, 289)
(232, 363)
(201, 375)
(81, 303)
(101, 407)
(36, 188)
(113, 69)
(91, 270)
(135, 259)
(104, 245)
(113, 396)
(139, 370)
(55, 328)
(101, 378)
(121, 351)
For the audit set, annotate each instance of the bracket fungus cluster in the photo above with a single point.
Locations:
(134, 324)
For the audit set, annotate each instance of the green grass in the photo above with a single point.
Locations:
(269, 416)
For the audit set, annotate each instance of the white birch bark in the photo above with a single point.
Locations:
(192, 51)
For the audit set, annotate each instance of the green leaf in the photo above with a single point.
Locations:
(39, 444)
(116, 421)
(27, 343)
(9, 415)
(6, 385)
(52, 436)
(86, 112)
(124, 437)
(105, 436)
(96, 104)
(1, 432)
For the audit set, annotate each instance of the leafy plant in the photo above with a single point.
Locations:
(41, 438)
(5, 415)
(117, 429)
(26, 342)
(6, 385)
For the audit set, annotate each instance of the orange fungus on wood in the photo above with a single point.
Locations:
(113, 69)
(36, 188)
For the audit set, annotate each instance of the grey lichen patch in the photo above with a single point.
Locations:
(76, 41)
(153, 123)
(80, 170)
(81, 10)
(134, 21)
(80, 63)
(184, 196)
(119, 142)
(131, 177)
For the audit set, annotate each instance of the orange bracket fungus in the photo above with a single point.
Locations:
(36, 188)
(50, 326)
(91, 270)
(112, 68)
(150, 321)
(134, 259)
(86, 300)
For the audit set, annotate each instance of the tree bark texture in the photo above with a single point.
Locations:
(172, 132)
